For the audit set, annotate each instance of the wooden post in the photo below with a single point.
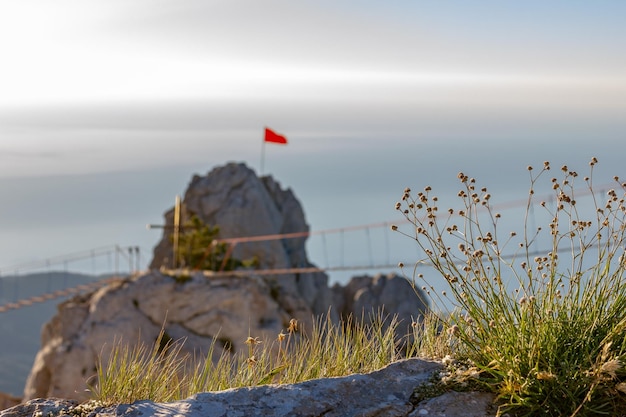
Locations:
(176, 231)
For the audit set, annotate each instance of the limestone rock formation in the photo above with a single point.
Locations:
(208, 307)
(198, 309)
(242, 204)
(387, 392)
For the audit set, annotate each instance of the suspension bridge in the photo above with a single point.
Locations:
(368, 247)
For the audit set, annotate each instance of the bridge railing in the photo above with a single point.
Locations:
(66, 275)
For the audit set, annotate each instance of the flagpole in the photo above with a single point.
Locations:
(262, 156)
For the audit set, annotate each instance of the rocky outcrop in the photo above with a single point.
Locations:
(388, 294)
(205, 307)
(387, 392)
(242, 205)
(199, 308)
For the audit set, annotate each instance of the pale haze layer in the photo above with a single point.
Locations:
(107, 108)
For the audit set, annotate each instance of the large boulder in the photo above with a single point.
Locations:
(199, 309)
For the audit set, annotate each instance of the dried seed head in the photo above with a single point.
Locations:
(611, 367)
(252, 360)
(252, 341)
(293, 326)
(545, 376)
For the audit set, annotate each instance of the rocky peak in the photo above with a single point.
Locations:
(234, 198)
(242, 204)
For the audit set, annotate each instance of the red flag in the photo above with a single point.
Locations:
(273, 137)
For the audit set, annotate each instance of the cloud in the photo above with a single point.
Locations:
(8, 154)
(146, 53)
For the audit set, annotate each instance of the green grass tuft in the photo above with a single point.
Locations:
(545, 328)
(162, 373)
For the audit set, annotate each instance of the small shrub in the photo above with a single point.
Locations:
(199, 249)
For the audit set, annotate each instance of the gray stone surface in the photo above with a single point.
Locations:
(451, 404)
(384, 393)
(42, 407)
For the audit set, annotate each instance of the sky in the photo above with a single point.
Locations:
(108, 108)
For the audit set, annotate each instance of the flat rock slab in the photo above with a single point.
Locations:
(386, 392)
